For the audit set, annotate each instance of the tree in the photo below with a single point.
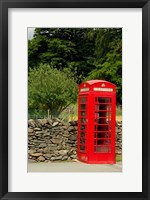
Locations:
(63, 48)
(108, 57)
(88, 53)
(49, 88)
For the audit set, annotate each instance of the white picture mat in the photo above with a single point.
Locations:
(130, 179)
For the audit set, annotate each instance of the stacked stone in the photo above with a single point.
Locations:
(51, 140)
(119, 137)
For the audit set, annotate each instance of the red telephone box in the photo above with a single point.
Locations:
(96, 122)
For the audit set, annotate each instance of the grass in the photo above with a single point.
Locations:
(119, 113)
(74, 115)
(69, 114)
(118, 158)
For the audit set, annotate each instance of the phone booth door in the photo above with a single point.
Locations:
(104, 129)
(82, 127)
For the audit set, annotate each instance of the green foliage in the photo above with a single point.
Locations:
(108, 59)
(118, 158)
(119, 111)
(86, 53)
(62, 48)
(49, 88)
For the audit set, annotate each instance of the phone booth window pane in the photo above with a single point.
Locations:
(102, 149)
(83, 127)
(83, 120)
(102, 107)
(83, 113)
(104, 100)
(82, 141)
(83, 100)
(101, 135)
(101, 121)
(108, 142)
(82, 134)
(82, 148)
(102, 127)
(83, 106)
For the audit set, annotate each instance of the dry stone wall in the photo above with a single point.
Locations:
(52, 140)
(119, 137)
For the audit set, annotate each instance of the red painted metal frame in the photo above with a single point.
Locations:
(91, 90)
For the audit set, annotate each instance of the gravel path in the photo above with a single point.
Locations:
(73, 167)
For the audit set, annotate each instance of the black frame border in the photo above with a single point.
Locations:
(4, 6)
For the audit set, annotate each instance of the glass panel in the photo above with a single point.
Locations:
(82, 148)
(99, 149)
(83, 106)
(82, 141)
(107, 141)
(101, 121)
(82, 123)
(83, 100)
(102, 107)
(99, 107)
(104, 100)
(100, 142)
(109, 107)
(82, 134)
(102, 125)
(102, 149)
(108, 122)
(83, 120)
(83, 127)
(83, 113)
(101, 135)
(106, 135)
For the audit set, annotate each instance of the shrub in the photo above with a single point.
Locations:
(49, 88)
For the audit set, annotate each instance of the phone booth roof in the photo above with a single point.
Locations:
(97, 85)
